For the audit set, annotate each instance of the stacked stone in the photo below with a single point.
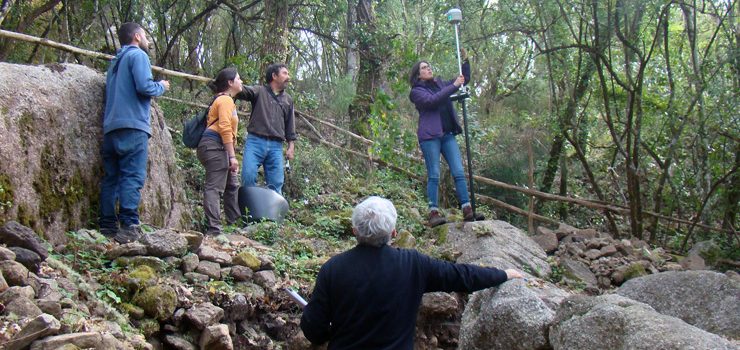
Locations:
(178, 290)
(595, 261)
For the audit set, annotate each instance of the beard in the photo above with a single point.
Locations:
(144, 47)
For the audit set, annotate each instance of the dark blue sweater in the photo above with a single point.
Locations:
(368, 297)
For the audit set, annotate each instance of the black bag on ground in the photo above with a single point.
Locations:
(192, 129)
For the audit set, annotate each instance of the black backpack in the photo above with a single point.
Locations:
(192, 129)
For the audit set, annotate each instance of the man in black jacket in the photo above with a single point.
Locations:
(368, 296)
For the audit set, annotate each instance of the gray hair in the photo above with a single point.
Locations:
(374, 220)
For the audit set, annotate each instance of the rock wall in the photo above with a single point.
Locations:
(50, 164)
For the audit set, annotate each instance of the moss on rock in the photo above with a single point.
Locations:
(633, 271)
(148, 327)
(158, 301)
(405, 240)
(6, 196)
(245, 258)
(441, 233)
(142, 276)
(133, 311)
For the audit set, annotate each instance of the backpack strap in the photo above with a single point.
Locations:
(209, 108)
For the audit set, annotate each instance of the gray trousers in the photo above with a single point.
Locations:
(219, 182)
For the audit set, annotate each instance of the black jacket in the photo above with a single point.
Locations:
(368, 297)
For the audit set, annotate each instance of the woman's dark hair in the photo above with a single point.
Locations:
(126, 32)
(221, 83)
(273, 69)
(414, 75)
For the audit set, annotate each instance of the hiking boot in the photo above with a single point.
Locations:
(108, 232)
(468, 214)
(128, 234)
(436, 219)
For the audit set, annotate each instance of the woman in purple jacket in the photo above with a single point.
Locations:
(438, 126)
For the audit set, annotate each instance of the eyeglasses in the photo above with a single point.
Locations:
(425, 67)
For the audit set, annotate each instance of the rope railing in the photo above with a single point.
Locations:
(592, 204)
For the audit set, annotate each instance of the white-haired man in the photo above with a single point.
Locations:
(368, 296)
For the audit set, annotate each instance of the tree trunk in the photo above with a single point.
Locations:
(371, 68)
(352, 56)
(275, 31)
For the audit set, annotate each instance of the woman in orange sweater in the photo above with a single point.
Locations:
(216, 152)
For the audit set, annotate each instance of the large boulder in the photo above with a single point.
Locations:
(516, 315)
(615, 322)
(705, 299)
(50, 165)
(498, 244)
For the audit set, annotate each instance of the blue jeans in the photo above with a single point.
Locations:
(268, 153)
(447, 146)
(124, 155)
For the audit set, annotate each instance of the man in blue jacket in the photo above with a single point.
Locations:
(368, 297)
(126, 131)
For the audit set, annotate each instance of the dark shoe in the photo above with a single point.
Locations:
(108, 232)
(468, 214)
(436, 219)
(128, 234)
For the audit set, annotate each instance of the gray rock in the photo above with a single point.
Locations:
(3, 284)
(210, 254)
(266, 262)
(608, 250)
(14, 272)
(190, 262)
(6, 254)
(241, 273)
(438, 304)
(216, 338)
(41, 326)
(22, 307)
(204, 315)
(577, 271)
(156, 263)
(237, 308)
(587, 233)
(194, 238)
(547, 240)
(210, 269)
(265, 278)
(497, 244)
(52, 136)
(50, 307)
(129, 249)
(194, 277)
(250, 290)
(173, 261)
(225, 272)
(178, 343)
(564, 230)
(15, 292)
(164, 243)
(592, 254)
(693, 262)
(48, 289)
(615, 322)
(14, 234)
(512, 316)
(705, 299)
(27, 258)
(88, 340)
(708, 250)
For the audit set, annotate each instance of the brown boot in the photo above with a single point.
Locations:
(468, 214)
(435, 218)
